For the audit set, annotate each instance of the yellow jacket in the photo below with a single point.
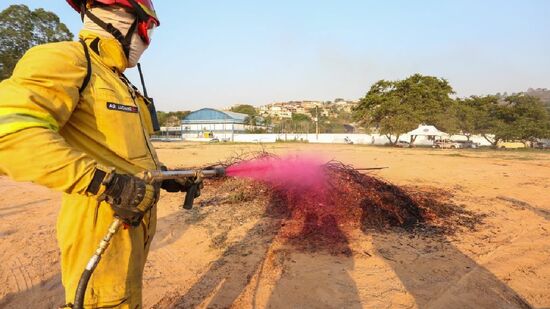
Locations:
(53, 135)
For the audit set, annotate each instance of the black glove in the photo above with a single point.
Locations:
(172, 185)
(129, 196)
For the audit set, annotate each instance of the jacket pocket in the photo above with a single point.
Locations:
(119, 121)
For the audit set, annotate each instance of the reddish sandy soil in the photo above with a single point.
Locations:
(234, 250)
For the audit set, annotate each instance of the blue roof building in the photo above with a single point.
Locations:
(209, 122)
(210, 115)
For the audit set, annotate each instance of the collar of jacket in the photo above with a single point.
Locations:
(111, 53)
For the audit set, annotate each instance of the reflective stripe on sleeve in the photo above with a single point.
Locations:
(17, 119)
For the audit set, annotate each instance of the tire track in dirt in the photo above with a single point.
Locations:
(24, 273)
(15, 280)
(22, 278)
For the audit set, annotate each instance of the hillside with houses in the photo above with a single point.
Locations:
(312, 109)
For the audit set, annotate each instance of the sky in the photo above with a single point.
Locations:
(220, 53)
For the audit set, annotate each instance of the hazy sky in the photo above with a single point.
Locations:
(219, 53)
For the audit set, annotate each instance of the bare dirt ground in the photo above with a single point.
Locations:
(233, 250)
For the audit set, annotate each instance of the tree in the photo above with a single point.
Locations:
(529, 118)
(245, 109)
(250, 110)
(383, 109)
(517, 117)
(300, 117)
(482, 115)
(472, 115)
(268, 121)
(542, 93)
(397, 107)
(171, 119)
(301, 123)
(465, 118)
(21, 29)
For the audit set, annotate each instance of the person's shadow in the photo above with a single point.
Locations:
(316, 270)
(243, 262)
(431, 268)
(230, 274)
(439, 275)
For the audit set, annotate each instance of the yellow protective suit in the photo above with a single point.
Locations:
(53, 135)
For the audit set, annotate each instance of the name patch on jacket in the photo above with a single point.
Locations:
(122, 108)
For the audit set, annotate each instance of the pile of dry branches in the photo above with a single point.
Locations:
(355, 200)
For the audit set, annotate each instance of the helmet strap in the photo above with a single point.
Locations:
(125, 40)
(128, 38)
(141, 15)
(83, 10)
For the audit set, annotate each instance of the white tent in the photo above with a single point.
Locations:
(427, 130)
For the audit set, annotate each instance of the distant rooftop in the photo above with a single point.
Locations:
(210, 115)
(427, 130)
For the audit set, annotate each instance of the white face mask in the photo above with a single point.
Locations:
(150, 33)
(121, 20)
(137, 47)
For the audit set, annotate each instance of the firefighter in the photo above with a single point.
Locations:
(71, 121)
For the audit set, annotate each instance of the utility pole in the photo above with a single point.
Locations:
(316, 122)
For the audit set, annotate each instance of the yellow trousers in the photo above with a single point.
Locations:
(117, 280)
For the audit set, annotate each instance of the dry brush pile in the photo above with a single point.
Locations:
(349, 201)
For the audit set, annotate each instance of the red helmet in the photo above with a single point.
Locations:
(144, 10)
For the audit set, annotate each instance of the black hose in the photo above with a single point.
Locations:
(82, 285)
(92, 264)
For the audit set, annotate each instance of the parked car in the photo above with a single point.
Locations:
(541, 145)
(161, 139)
(402, 144)
(468, 144)
(510, 145)
(446, 144)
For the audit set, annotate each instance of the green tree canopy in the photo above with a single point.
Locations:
(244, 109)
(472, 115)
(526, 117)
(397, 107)
(250, 110)
(478, 115)
(171, 119)
(516, 117)
(301, 117)
(542, 93)
(21, 29)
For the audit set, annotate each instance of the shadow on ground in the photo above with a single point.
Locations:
(47, 294)
(263, 252)
(430, 267)
(409, 230)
